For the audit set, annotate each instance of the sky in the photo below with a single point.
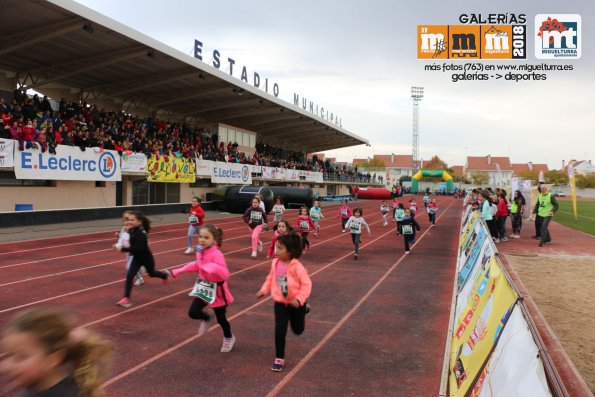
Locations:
(359, 60)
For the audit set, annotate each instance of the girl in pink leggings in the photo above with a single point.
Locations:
(256, 218)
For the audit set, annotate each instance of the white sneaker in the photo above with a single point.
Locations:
(253, 254)
(139, 281)
(189, 250)
(228, 344)
(259, 246)
(203, 327)
(343, 230)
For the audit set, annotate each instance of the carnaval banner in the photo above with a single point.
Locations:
(515, 368)
(7, 153)
(134, 162)
(170, 169)
(478, 327)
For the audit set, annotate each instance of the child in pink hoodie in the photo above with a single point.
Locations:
(290, 286)
(211, 286)
(344, 213)
(304, 225)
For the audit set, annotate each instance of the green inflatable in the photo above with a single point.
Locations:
(432, 174)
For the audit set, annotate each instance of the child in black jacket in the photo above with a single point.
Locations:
(408, 227)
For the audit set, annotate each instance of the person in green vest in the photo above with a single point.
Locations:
(545, 207)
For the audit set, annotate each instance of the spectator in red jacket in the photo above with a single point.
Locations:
(501, 216)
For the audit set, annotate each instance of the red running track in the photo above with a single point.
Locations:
(377, 327)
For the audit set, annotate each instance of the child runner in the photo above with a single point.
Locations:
(278, 210)
(256, 218)
(384, 210)
(45, 355)
(426, 200)
(344, 213)
(261, 202)
(196, 220)
(281, 228)
(211, 286)
(354, 223)
(138, 227)
(399, 215)
(316, 215)
(124, 241)
(290, 286)
(408, 227)
(412, 207)
(304, 225)
(432, 208)
(395, 203)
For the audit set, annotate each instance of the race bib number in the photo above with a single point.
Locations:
(412, 208)
(304, 224)
(355, 227)
(282, 282)
(205, 290)
(278, 211)
(256, 217)
(407, 229)
(343, 212)
(315, 216)
(193, 219)
(384, 211)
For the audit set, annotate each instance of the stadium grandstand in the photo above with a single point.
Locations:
(81, 84)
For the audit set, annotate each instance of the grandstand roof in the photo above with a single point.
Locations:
(62, 44)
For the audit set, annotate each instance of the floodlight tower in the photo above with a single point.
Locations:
(417, 93)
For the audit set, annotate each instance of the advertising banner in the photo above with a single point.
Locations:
(7, 153)
(170, 169)
(230, 173)
(70, 163)
(470, 253)
(469, 226)
(478, 327)
(292, 175)
(273, 173)
(312, 176)
(482, 261)
(134, 162)
(515, 368)
(204, 167)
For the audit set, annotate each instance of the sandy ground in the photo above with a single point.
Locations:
(562, 287)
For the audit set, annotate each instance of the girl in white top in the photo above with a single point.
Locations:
(278, 210)
(124, 241)
(384, 210)
(354, 224)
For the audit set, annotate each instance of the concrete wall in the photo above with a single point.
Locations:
(64, 194)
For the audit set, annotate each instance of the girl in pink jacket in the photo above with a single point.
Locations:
(344, 213)
(290, 286)
(211, 286)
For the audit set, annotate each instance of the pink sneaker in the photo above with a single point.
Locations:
(124, 302)
(228, 344)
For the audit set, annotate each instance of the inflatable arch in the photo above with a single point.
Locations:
(432, 173)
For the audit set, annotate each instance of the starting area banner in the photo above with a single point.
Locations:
(69, 163)
(170, 169)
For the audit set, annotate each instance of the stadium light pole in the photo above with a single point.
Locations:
(417, 93)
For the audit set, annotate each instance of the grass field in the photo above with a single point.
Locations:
(586, 215)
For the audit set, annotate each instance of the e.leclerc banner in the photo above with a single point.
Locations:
(170, 169)
(478, 327)
(231, 173)
(69, 163)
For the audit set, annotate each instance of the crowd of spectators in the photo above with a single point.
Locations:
(35, 124)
